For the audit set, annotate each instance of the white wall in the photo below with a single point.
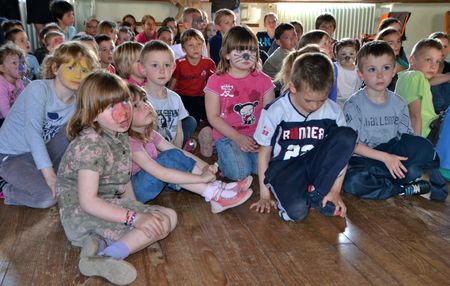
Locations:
(116, 9)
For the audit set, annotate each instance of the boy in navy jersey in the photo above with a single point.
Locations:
(305, 146)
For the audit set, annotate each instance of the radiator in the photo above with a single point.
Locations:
(351, 19)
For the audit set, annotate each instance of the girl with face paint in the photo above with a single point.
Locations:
(33, 137)
(234, 98)
(157, 163)
(348, 81)
(97, 205)
(11, 73)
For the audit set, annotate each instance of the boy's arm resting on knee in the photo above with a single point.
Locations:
(265, 203)
(392, 162)
(178, 140)
(415, 115)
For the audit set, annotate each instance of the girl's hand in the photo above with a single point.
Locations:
(395, 166)
(207, 175)
(264, 205)
(336, 199)
(150, 224)
(212, 168)
(247, 144)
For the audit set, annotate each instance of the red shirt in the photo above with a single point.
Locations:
(143, 39)
(190, 79)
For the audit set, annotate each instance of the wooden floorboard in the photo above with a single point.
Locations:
(400, 241)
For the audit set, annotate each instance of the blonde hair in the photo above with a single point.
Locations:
(284, 75)
(124, 57)
(97, 91)
(106, 27)
(156, 46)
(188, 12)
(138, 93)
(66, 52)
(221, 13)
(10, 49)
(238, 38)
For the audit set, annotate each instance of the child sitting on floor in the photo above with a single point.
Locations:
(304, 146)
(234, 98)
(387, 161)
(158, 163)
(33, 137)
(174, 122)
(97, 206)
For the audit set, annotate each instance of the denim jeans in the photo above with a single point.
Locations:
(234, 163)
(26, 184)
(146, 187)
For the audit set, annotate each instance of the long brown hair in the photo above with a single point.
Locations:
(97, 91)
(138, 93)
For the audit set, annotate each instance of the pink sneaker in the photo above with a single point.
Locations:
(240, 186)
(219, 203)
(205, 138)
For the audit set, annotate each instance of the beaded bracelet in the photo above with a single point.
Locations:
(130, 218)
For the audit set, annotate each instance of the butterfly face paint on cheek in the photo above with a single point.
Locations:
(246, 57)
(121, 113)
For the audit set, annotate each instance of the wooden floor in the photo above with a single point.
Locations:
(401, 241)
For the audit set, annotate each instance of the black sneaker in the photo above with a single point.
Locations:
(419, 187)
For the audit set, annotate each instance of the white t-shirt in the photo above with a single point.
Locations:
(348, 83)
(170, 111)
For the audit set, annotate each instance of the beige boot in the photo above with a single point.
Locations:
(116, 271)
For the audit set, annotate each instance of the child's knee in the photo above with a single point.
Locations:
(297, 212)
(170, 220)
(347, 136)
(173, 218)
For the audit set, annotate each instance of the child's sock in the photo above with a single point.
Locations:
(215, 187)
(117, 250)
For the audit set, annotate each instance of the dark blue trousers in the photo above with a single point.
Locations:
(289, 179)
(371, 179)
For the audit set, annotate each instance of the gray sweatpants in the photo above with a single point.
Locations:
(26, 184)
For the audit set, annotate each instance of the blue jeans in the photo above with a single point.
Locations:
(234, 163)
(146, 187)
